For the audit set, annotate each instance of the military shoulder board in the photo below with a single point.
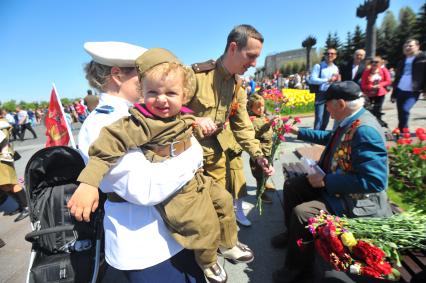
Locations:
(204, 66)
(105, 109)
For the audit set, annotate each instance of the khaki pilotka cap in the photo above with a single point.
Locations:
(153, 57)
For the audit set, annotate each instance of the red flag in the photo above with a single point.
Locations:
(56, 125)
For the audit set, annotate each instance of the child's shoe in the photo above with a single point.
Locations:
(215, 273)
(240, 253)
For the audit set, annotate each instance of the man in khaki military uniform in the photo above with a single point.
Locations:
(219, 99)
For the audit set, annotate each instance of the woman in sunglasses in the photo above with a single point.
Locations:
(373, 83)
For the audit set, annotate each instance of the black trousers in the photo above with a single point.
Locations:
(301, 201)
(28, 127)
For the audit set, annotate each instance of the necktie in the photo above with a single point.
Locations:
(325, 164)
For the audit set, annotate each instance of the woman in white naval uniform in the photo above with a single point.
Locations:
(137, 241)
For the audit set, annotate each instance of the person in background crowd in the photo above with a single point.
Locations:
(24, 123)
(91, 101)
(354, 69)
(322, 75)
(31, 117)
(8, 178)
(353, 183)
(10, 118)
(252, 84)
(374, 83)
(410, 81)
(80, 110)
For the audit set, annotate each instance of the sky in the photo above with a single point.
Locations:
(41, 41)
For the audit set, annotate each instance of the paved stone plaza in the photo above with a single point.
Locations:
(14, 256)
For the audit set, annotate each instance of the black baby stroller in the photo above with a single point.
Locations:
(63, 249)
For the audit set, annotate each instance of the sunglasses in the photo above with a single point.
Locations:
(329, 53)
(375, 62)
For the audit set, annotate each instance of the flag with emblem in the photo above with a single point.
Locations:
(58, 131)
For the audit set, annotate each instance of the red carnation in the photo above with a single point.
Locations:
(322, 249)
(368, 271)
(422, 137)
(406, 135)
(370, 254)
(406, 130)
(420, 131)
(384, 267)
(336, 245)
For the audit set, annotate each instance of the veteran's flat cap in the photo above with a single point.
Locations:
(113, 53)
(153, 57)
(347, 90)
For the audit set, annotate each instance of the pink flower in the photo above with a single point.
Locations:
(273, 123)
(297, 120)
(282, 138)
(284, 119)
(287, 128)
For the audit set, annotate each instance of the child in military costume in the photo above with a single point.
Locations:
(200, 216)
(263, 133)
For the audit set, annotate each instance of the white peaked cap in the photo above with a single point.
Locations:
(113, 53)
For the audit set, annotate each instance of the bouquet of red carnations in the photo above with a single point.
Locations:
(338, 246)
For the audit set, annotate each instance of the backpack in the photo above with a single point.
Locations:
(63, 249)
(314, 88)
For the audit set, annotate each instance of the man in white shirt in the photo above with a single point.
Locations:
(322, 75)
(24, 123)
(410, 81)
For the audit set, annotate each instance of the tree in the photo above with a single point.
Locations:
(347, 50)
(308, 43)
(358, 40)
(329, 43)
(386, 34)
(420, 27)
(295, 68)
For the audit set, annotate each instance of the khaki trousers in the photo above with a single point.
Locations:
(236, 180)
(201, 218)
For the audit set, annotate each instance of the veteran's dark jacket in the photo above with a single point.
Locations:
(360, 191)
(418, 73)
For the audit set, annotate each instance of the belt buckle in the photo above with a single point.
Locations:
(172, 149)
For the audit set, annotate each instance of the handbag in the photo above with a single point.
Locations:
(16, 156)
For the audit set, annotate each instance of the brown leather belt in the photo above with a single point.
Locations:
(173, 149)
(170, 150)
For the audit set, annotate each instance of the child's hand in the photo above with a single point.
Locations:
(207, 125)
(84, 201)
(267, 168)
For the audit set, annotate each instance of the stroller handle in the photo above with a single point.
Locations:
(31, 237)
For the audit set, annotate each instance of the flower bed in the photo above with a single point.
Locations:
(407, 165)
(296, 101)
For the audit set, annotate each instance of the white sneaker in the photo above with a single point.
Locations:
(238, 203)
(240, 253)
(241, 218)
(215, 273)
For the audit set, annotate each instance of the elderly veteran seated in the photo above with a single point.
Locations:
(355, 164)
